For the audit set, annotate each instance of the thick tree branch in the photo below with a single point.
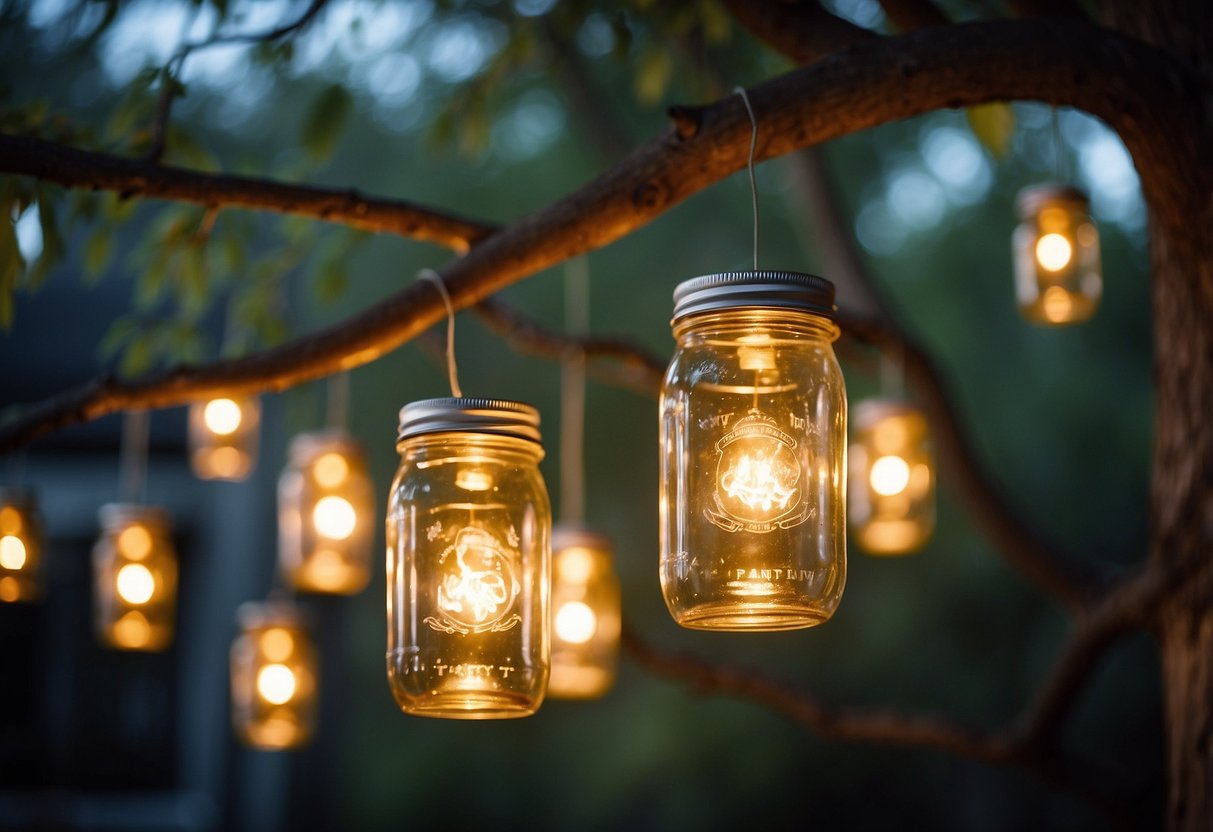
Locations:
(130, 178)
(1141, 92)
(805, 31)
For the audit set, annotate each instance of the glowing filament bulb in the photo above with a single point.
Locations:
(757, 482)
(222, 416)
(1053, 251)
(330, 470)
(12, 552)
(890, 475)
(134, 542)
(135, 583)
(334, 518)
(473, 479)
(276, 684)
(576, 623)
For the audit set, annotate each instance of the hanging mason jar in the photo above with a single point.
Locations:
(892, 482)
(325, 506)
(20, 546)
(273, 668)
(585, 615)
(468, 528)
(223, 437)
(1057, 271)
(135, 570)
(753, 471)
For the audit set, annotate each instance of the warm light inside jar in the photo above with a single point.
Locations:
(585, 615)
(892, 481)
(1058, 277)
(325, 502)
(468, 529)
(273, 670)
(223, 437)
(135, 577)
(753, 423)
(20, 547)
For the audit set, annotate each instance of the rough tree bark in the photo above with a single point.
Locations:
(1158, 99)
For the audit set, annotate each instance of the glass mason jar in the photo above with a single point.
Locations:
(135, 570)
(585, 615)
(273, 667)
(223, 436)
(468, 571)
(1056, 246)
(325, 505)
(753, 454)
(892, 484)
(20, 546)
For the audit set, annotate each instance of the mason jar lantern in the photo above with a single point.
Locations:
(892, 482)
(753, 454)
(1056, 245)
(20, 546)
(325, 506)
(585, 615)
(468, 571)
(223, 437)
(135, 572)
(273, 670)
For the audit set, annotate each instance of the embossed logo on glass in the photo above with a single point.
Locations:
(477, 586)
(758, 486)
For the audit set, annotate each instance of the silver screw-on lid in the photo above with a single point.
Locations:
(1034, 197)
(117, 515)
(566, 536)
(305, 446)
(870, 411)
(759, 290)
(254, 615)
(493, 416)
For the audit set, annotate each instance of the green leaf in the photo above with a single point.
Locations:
(184, 149)
(12, 266)
(331, 280)
(324, 120)
(97, 253)
(993, 125)
(138, 355)
(116, 337)
(716, 21)
(653, 74)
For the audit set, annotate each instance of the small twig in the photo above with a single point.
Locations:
(171, 74)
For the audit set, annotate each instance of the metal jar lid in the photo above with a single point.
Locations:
(306, 446)
(870, 411)
(1035, 197)
(256, 615)
(757, 290)
(117, 515)
(469, 415)
(566, 536)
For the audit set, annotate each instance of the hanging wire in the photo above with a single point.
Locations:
(753, 181)
(572, 393)
(133, 456)
(1060, 159)
(337, 408)
(452, 371)
(893, 371)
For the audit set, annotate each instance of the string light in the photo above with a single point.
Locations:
(892, 479)
(1058, 277)
(135, 572)
(223, 437)
(21, 542)
(274, 676)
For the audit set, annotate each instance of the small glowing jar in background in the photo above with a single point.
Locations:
(585, 615)
(273, 667)
(1057, 272)
(135, 570)
(468, 571)
(20, 546)
(753, 454)
(892, 481)
(223, 438)
(325, 506)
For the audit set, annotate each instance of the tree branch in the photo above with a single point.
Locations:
(84, 169)
(176, 65)
(909, 15)
(1142, 92)
(804, 31)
